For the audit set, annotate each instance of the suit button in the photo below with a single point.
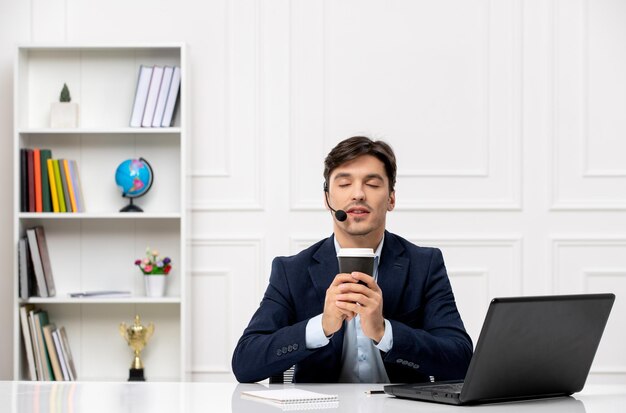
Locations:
(284, 350)
(405, 362)
(295, 346)
(290, 348)
(399, 361)
(411, 364)
(279, 353)
(416, 366)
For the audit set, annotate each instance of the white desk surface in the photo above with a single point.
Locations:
(95, 397)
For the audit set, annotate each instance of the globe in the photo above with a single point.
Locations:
(134, 178)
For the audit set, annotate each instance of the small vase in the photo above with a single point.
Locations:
(63, 115)
(155, 285)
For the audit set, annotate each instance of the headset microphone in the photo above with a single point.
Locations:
(340, 214)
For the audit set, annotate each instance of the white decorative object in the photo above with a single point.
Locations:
(155, 285)
(63, 115)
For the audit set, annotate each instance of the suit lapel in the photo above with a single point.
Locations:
(324, 268)
(393, 271)
(322, 272)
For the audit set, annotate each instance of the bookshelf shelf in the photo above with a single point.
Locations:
(96, 216)
(96, 300)
(94, 131)
(95, 250)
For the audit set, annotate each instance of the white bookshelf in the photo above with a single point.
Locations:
(96, 249)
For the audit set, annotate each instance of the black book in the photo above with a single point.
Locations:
(23, 180)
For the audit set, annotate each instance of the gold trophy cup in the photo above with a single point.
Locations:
(137, 337)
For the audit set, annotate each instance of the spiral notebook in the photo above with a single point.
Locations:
(292, 396)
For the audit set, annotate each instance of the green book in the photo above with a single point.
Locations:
(46, 198)
(57, 178)
(41, 321)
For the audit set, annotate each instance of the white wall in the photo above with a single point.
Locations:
(507, 117)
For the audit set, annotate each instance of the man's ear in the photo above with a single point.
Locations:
(391, 203)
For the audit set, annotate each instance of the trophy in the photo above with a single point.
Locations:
(137, 337)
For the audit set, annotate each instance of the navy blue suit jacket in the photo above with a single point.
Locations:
(428, 335)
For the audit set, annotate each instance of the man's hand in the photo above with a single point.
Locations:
(365, 300)
(333, 316)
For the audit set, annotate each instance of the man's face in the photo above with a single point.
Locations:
(361, 188)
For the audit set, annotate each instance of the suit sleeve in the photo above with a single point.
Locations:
(274, 340)
(431, 340)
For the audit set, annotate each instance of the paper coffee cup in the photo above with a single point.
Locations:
(356, 259)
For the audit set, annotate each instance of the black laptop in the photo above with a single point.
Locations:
(529, 347)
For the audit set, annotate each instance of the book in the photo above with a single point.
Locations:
(100, 294)
(141, 94)
(53, 186)
(31, 181)
(59, 185)
(162, 99)
(46, 198)
(153, 94)
(25, 269)
(52, 353)
(32, 314)
(40, 278)
(59, 350)
(28, 340)
(80, 201)
(172, 98)
(23, 180)
(67, 353)
(292, 396)
(22, 269)
(45, 260)
(37, 178)
(70, 187)
(66, 192)
(41, 320)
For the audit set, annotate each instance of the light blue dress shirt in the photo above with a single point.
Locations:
(361, 359)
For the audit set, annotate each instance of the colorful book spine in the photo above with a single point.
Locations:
(53, 186)
(59, 185)
(70, 186)
(46, 198)
(78, 191)
(66, 192)
(31, 182)
(37, 179)
(41, 320)
(24, 180)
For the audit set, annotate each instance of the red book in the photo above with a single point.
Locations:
(37, 170)
(31, 181)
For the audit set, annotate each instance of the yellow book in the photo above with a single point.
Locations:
(70, 187)
(57, 177)
(53, 186)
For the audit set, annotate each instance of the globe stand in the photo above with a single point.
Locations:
(131, 207)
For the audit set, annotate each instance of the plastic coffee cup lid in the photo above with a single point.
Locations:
(356, 252)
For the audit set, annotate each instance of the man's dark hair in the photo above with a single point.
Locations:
(356, 146)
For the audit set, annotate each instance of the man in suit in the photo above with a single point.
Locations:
(401, 326)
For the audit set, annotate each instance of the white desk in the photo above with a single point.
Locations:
(93, 397)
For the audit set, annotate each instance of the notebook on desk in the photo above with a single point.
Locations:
(529, 347)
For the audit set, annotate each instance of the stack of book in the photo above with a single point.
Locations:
(47, 349)
(49, 185)
(156, 96)
(35, 270)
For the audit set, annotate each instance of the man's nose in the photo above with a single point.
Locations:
(358, 192)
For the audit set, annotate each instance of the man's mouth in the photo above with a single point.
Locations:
(358, 211)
